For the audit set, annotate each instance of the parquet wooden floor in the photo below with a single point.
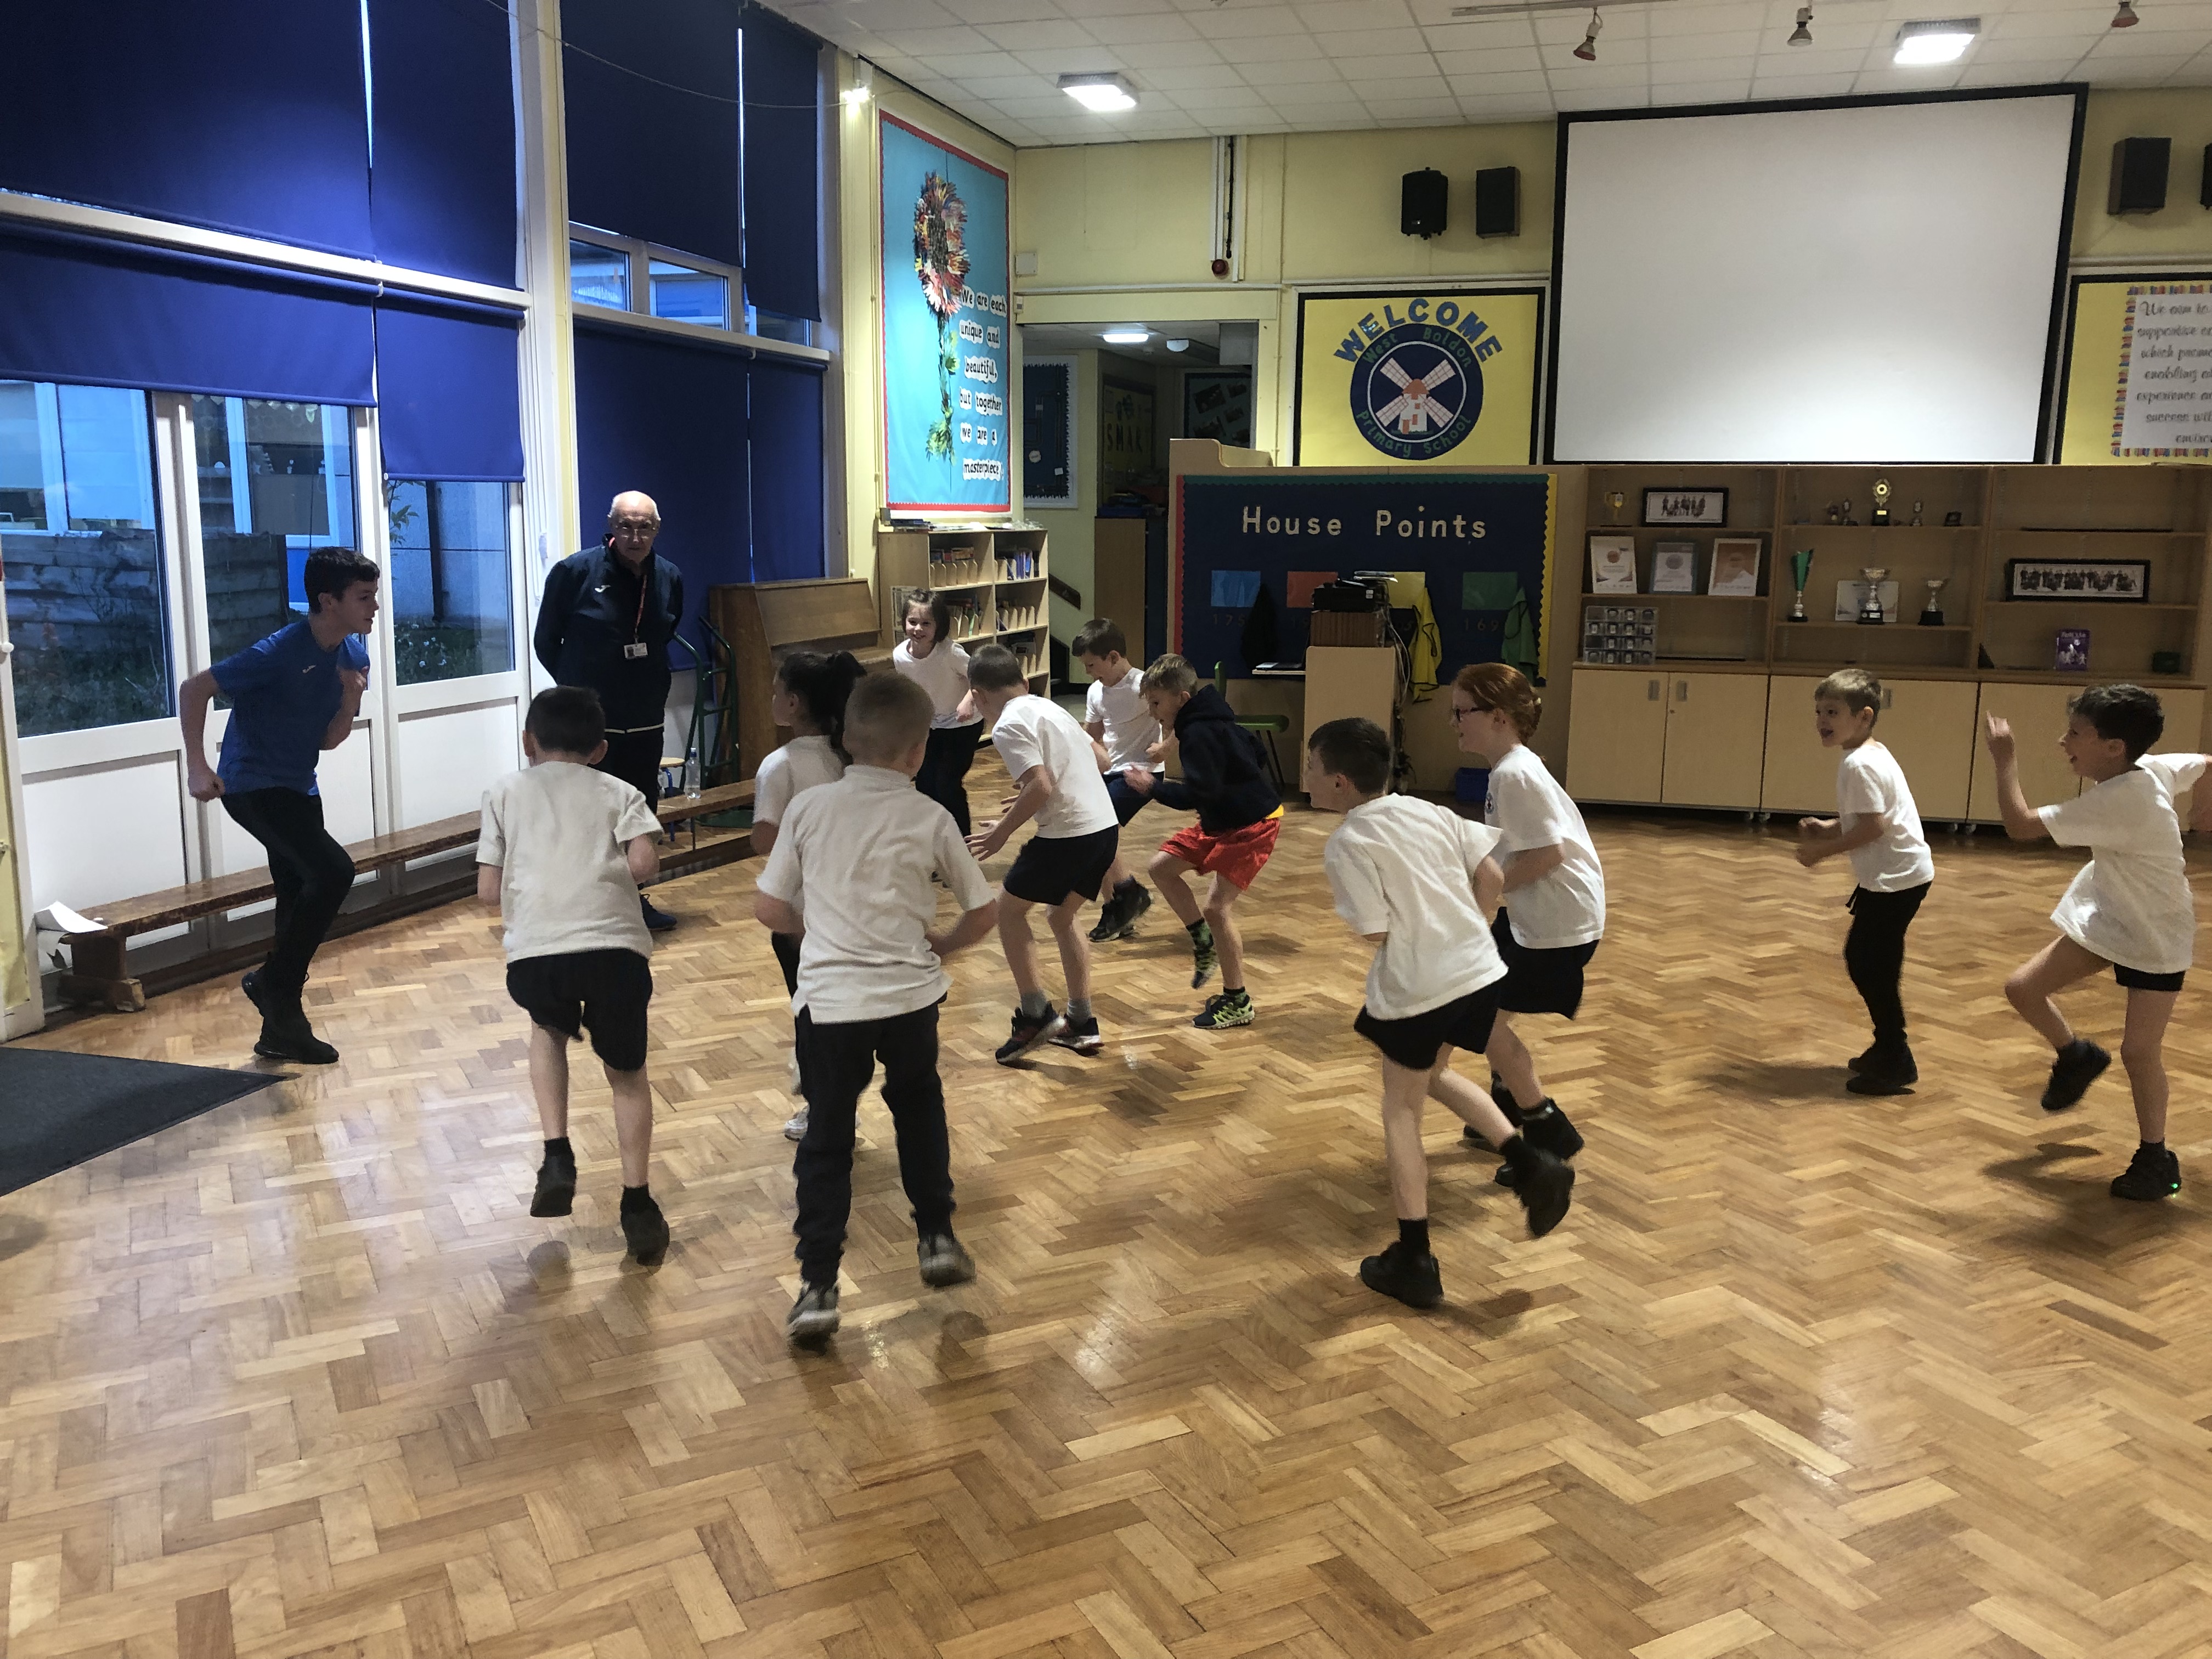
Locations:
(1800, 1374)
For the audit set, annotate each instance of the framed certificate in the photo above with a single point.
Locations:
(1736, 566)
(1613, 565)
(1675, 568)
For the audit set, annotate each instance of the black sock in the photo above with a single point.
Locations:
(559, 1148)
(1232, 991)
(1414, 1235)
(2154, 1146)
(636, 1198)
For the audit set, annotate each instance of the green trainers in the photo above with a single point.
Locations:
(1229, 1008)
(1203, 960)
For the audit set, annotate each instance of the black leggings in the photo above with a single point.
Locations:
(1874, 954)
(313, 875)
(944, 775)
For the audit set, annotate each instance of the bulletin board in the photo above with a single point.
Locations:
(1482, 541)
(2105, 358)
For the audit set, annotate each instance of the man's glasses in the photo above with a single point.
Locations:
(635, 526)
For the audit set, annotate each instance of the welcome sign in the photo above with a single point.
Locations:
(1417, 378)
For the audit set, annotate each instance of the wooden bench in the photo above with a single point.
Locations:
(682, 809)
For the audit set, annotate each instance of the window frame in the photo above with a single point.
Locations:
(638, 314)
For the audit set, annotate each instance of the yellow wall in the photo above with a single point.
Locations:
(2182, 229)
(1340, 200)
(1115, 214)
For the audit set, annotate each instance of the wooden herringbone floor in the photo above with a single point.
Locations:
(1800, 1374)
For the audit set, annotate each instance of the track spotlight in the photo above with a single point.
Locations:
(1588, 51)
(2126, 17)
(1802, 36)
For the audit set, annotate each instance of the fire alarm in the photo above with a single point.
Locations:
(1221, 267)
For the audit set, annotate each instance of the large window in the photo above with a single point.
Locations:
(447, 591)
(276, 482)
(620, 274)
(83, 557)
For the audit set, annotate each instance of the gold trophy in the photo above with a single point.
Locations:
(1615, 501)
(1880, 515)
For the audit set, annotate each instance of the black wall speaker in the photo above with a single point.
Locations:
(1498, 202)
(2139, 175)
(1421, 203)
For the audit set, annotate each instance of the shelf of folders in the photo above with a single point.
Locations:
(1018, 566)
(1029, 647)
(1619, 633)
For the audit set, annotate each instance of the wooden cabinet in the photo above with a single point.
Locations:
(1343, 681)
(994, 580)
(1929, 725)
(1715, 739)
(1617, 734)
(1117, 579)
(1800, 776)
(2037, 714)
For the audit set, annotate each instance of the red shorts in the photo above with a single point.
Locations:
(1239, 854)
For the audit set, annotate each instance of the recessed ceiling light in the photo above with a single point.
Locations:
(1102, 94)
(1940, 42)
(1177, 345)
(1126, 336)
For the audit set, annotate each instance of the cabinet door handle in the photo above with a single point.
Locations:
(1651, 691)
(1888, 693)
(1681, 691)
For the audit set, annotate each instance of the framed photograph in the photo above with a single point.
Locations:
(1673, 567)
(1673, 507)
(1613, 565)
(1736, 566)
(2123, 581)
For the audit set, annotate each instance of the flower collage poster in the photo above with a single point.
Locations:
(945, 328)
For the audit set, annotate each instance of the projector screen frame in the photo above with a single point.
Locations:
(2054, 338)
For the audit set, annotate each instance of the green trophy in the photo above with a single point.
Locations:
(1801, 569)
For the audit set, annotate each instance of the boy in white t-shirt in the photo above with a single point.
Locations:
(1878, 825)
(2128, 908)
(1554, 913)
(1115, 715)
(562, 852)
(1054, 766)
(1413, 878)
(851, 875)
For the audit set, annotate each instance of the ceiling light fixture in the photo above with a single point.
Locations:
(1803, 34)
(862, 86)
(1588, 51)
(1939, 42)
(1177, 345)
(1131, 336)
(2126, 17)
(1102, 94)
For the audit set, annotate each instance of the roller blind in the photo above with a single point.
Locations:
(782, 137)
(447, 390)
(787, 471)
(441, 191)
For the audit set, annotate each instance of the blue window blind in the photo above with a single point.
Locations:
(667, 418)
(449, 406)
(442, 191)
(78, 310)
(783, 136)
(787, 471)
(240, 115)
(652, 113)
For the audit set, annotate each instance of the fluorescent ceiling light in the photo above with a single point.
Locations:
(1941, 42)
(1126, 336)
(1102, 94)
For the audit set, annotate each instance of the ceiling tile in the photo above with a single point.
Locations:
(936, 43)
(1701, 48)
(1167, 54)
(1177, 77)
(2042, 48)
(1291, 100)
(1495, 86)
(1386, 67)
(1269, 49)
(1037, 37)
(974, 66)
(2132, 42)
(1620, 97)
(999, 11)
(1426, 109)
(1601, 76)
(1808, 62)
(1002, 91)
(1496, 61)
(2011, 74)
(1206, 100)
(1564, 28)
(1702, 92)
(1414, 86)
(1830, 85)
(880, 17)
(1057, 61)
(1368, 43)
(1479, 36)
(1317, 68)
(1151, 29)
(1706, 19)
(1328, 15)
(1704, 69)
(1519, 108)
(1240, 24)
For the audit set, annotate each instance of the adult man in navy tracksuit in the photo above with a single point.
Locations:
(606, 619)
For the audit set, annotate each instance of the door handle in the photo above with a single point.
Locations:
(1681, 691)
(1651, 691)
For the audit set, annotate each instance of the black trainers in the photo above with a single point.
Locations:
(1541, 1181)
(2153, 1173)
(2079, 1064)
(1504, 1097)
(1081, 1035)
(1028, 1031)
(1413, 1279)
(557, 1187)
(944, 1260)
(645, 1230)
(290, 1037)
(1110, 924)
(1227, 1010)
(656, 920)
(814, 1316)
(1858, 1063)
(1547, 1127)
(1885, 1072)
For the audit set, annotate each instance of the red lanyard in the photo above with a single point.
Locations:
(637, 622)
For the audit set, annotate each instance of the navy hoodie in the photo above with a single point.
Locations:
(1225, 771)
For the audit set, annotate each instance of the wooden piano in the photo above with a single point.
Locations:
(761, 620)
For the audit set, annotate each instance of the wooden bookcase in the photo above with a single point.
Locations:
(995, 577)
(1721, 717)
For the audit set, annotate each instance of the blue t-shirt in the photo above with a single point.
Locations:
(284, 692)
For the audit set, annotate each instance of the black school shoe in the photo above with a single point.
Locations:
(645, 1230)
(1546, 1129)
(1543, 1181)
(1886, 1071)
(557, 1187)
(288, 1037)
(814, 1318)
(2079, 1064)
(2152, 1174)
(1398, 1272)
(942, 1260)
(1028, 1030)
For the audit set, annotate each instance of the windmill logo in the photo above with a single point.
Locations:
(1416, 391)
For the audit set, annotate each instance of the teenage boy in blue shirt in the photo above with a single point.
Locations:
(293, 694)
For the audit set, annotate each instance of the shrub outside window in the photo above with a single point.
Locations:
(446, 592)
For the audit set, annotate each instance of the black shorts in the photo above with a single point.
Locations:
(1127, 802)
(1415, 1042)
(1046, 871)
(2136, 980)
(1539, 981)
(605, 992)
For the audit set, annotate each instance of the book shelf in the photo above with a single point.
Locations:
(994, 576)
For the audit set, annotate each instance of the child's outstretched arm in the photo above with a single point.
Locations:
(1489, 885)
(973, 925)
(2022, 822)
(1823, 838)
(1036, 789)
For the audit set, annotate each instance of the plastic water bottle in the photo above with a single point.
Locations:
(691, 773)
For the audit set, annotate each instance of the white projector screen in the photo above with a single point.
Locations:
(1868, 282)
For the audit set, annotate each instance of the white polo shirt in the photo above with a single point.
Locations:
(803, 764)
(2130, 903)
(1405, 867)
(1870, 783)
(1037, 732)
(560, 834)
(855, 858)
(944, 674)
(1130, 731)
(1529, 810)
